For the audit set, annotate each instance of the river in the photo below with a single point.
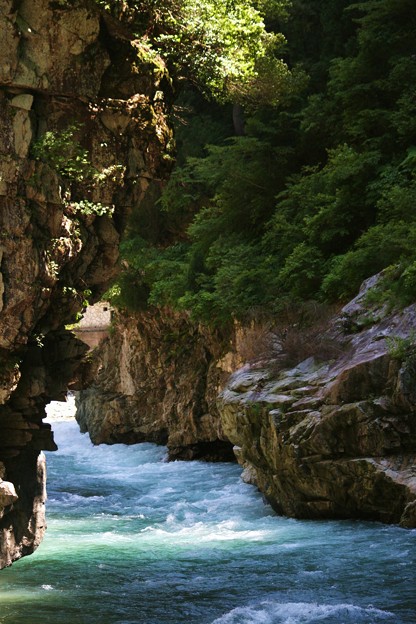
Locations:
(135, 539)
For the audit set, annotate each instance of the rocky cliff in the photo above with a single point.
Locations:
(338, 439)
(322, 439)
(157, 379)
(82, 141)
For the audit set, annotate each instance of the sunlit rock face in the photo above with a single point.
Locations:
(156, 379)
(337, 439)
(65, 68)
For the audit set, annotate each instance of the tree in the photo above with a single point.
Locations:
(222, 47)
(319, 192)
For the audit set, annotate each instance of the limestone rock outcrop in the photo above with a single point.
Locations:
(83, 135)
(156, 379)
(334, 440)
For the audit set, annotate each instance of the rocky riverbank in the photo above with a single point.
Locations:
(332, 438)
(156, 379)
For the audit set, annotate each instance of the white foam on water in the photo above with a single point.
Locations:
(200, 532)
(59, 411)
(132, 538)
(75, 499)
(268, 612)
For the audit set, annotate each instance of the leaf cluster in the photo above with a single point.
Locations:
(63, 152)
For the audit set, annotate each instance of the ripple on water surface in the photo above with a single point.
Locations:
(134, 539)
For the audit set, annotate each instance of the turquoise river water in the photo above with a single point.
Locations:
(134, 539)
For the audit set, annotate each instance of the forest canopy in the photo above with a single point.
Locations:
(317, 192)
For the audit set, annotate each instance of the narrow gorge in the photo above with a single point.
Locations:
(326, 437)
(235, 183)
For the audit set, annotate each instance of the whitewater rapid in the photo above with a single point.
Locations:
(135, 539)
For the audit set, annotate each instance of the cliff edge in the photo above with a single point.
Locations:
(333, 436)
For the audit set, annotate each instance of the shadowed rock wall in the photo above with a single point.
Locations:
(156, 379)
(63, 65)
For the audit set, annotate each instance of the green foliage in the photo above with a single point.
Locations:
(128, 293)
(379, 247)
(63, 153)
(396, 287)
(154, 276)
(227, 282)
(222, 47)
(222, 42)
(86, 207)
(324, 209)
(319, 192)
(400, 348)
(302, 271)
